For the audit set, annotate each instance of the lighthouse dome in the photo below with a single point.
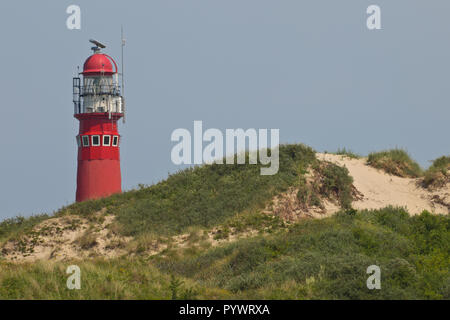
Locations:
(99, 64)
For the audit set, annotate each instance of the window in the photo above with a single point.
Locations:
(79, 141)
(106, 140)
(95, 140)
(85, 141)
(115, 141)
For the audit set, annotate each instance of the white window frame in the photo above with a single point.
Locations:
(85, 139)
(99, 141)
(103, 140)
(117, 141)
(79, 141)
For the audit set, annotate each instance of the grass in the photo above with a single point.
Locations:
(396, 162)
(14, 227)
(87, 240)
(100, 279)
(202, 196)
(309, 259)
(327, 259)
(347, 153)
(438, 174)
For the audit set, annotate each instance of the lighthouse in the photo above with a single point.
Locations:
(98, 105)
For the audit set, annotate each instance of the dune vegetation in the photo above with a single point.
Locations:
(395, 161)
(348, 153)
(232, 248)
(438, 174)
(312, 259)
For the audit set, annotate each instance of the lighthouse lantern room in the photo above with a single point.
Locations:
(98, 105)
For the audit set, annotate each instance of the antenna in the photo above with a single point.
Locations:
(98, 45)
(123, 84)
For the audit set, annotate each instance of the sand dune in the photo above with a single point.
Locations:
(380, 189)
(65, 237)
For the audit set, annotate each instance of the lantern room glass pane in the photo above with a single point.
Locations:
(98, 85)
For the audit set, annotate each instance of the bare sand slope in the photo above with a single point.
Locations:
(63, 238)
(381, 189)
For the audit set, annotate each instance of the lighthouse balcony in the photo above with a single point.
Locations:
(97, 96)
(99, 104)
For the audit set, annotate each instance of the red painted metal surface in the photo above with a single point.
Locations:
(99, 63)
(98, 173)
(97, 179)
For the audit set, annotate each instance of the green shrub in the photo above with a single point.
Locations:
(337, 182)
(328, 181)
(395, 218)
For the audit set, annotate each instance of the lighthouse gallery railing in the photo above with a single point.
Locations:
(80, 91)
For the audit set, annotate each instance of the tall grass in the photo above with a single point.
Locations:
(100, 279)
(15, 226)
(348, 153)
(396, 162)
(202, 196)
(438, 174)
(311, 259)
(328, 258)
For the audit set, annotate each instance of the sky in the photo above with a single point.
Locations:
(311, 69)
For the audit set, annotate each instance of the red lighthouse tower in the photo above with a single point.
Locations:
(98, 106)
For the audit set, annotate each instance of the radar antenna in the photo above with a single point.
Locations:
(98, 45)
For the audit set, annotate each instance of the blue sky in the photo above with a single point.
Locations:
(309, 68)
